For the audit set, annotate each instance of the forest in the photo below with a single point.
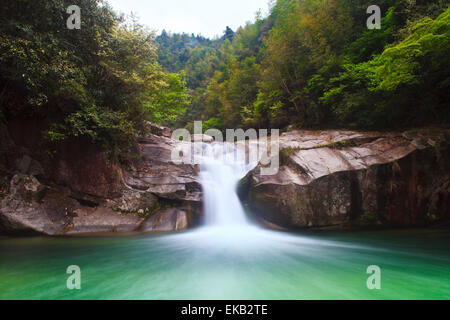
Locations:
(97, 84)
(315, 64)
(307, 64)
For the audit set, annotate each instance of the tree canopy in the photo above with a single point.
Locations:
(309, 63)
(99, 82)
(314, 63)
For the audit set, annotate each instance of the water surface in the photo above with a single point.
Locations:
(415, 265)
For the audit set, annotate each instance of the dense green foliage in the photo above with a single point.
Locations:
(100, 82)
(314, 63)
(311, 63)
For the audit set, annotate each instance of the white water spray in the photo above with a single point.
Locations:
(221, 171)
(227, 228)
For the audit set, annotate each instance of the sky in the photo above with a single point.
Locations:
(206, 17)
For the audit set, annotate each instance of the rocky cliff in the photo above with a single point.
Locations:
(350, 179)
(327, 179)
(79, 191)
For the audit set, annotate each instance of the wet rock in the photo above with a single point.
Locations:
(134, 201)
(31, 208)
(202, 138)
(336, 178)
(167, 220)
(159, 175)
(101, 220)
(27, 165)
(159, 130)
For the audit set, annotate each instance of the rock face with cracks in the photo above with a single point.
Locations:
(327, 179)
(350, 179)
(83, 193)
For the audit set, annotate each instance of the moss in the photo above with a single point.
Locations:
(369, 218)
(286, 153)
(431, 217)
(145, 213)
(251, 195)
(337, 145)
(243, 182)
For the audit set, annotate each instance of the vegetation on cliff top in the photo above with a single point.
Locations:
(310, 63)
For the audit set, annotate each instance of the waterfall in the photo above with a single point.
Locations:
(227, 229)
(222, 167)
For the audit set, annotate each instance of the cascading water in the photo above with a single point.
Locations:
(221, 171)
(226, 226)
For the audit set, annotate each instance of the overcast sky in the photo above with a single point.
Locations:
(206, 17)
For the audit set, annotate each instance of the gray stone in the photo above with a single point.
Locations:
(102, 220)
(167, 220)
(23, 164)
(337, 178)
(135, 201)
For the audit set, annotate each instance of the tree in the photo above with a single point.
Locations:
(228, 34)
(98, 83)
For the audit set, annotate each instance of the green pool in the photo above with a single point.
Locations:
(229, 264)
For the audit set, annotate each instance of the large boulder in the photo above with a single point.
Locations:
(344, 178)
(156, 173)
(158, 130)
(102, 220)
(84, 193)
(167, 220)
(73, 187)
(32, 208)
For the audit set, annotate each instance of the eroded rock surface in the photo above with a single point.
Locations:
(167, 220)
(156, 173)
(80, 192)
(344, 178)
(101, 220)
(24, 210)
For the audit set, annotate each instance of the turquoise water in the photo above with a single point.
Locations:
(415, 264)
